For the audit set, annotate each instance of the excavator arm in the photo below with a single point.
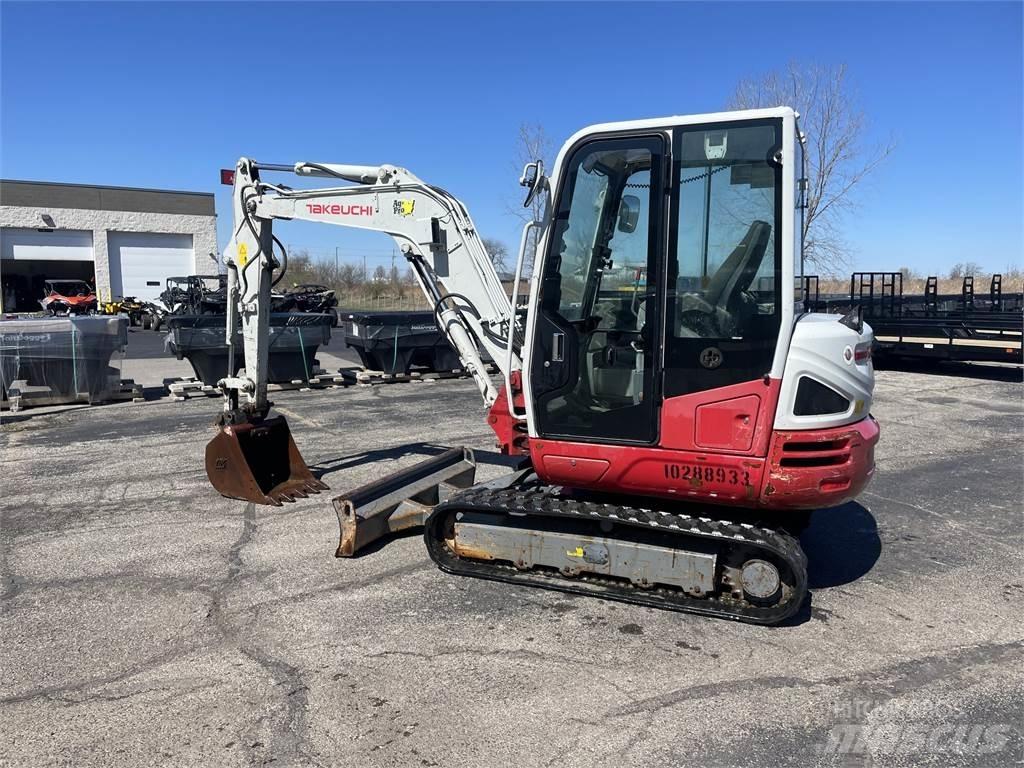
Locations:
(254, 457)
(432, 229)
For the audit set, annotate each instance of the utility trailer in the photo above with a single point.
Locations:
(934, 326)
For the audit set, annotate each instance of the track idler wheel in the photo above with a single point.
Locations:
(760, 581)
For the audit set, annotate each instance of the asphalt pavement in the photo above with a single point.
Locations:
(147, 621)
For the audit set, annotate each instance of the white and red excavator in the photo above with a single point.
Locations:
(677, 411)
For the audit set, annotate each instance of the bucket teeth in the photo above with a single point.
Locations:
(295, 492)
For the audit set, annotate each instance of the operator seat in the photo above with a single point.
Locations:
(721, 307)
(738, 271)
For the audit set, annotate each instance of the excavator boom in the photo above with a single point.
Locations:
(254, 457)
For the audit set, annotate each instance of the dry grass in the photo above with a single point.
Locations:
(1013, 283)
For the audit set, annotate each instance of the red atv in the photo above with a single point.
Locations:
(68, 297)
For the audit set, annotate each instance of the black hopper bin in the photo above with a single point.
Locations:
(295, 338)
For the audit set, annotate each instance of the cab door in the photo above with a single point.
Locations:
(723, 286)
(597, 326)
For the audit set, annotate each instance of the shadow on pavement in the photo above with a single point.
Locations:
(842, 545)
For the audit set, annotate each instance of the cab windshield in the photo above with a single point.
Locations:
(69, 287)
(726, 265)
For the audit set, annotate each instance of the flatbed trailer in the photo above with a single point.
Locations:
(933, 326)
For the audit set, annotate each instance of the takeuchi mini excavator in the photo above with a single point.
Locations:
(677, 412)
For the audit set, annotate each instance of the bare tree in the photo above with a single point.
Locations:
(964, 268)
(531, 144)
(301, 267)
(909, 274)
(378, 285)
(350, 275)
(498, 252)
(838, 158)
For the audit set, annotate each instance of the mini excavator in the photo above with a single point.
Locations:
(677, 411)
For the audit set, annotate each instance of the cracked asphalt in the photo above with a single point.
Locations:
(144, 620)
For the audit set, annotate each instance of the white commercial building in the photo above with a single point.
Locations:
(125, 242)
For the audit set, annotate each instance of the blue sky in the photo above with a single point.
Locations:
(163, 95)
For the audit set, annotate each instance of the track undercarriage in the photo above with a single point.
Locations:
(516, 529)
(546, 537)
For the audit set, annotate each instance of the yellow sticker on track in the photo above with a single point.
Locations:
(243, 254)
(578, 552)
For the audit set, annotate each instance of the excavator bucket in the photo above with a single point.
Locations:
(401, 500)
(258, 461)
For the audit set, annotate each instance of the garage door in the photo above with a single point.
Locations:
(35, 245)
(141, 262)
(29, 257)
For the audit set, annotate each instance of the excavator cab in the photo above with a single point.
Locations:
(662, 249)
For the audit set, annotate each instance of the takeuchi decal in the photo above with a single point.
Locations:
(340, 210)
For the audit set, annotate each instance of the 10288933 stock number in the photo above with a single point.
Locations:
(707, 474)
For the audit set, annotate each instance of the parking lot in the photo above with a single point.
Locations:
(146, 620)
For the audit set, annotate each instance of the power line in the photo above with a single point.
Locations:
(338, 255)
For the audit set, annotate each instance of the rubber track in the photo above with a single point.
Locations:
(542, 501)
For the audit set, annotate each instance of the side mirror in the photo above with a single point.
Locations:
(629, 213)
(533, 179)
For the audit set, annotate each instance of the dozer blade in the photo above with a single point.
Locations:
(401, 500)
(258, 461)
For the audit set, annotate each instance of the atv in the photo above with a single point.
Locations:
(309, 297)
(68, 297)
(129, 306)
(195, 295)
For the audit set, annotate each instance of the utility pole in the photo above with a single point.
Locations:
(335, 262)
(365, 276)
